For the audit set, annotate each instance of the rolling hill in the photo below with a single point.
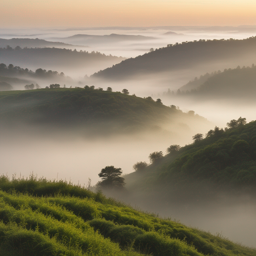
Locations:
(40, 217)
(66, 60)
(230, 84)
(192, 57)
(102, 111)
(222, 162)
(105, 39)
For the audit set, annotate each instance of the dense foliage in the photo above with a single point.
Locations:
(223, 160)
(40, 217)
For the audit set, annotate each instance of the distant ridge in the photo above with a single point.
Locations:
(30, 43)
(113, 36)
(196, 56)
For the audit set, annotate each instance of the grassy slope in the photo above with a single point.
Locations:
(85, 106)
(225, 159)
(37, 220)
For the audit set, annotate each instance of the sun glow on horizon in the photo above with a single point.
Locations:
(69, 13)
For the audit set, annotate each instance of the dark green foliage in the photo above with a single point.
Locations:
(223, 161)
(140, 166)
(111, 178)
(125, 91)
(173, 149)
(155, 157)
(82, 226)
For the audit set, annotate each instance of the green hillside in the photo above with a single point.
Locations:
(224, 161)
(40, 217)
(89, 107)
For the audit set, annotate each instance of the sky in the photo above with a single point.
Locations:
(94, 13)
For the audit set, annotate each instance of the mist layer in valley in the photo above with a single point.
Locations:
(60, 139)
(79, 131)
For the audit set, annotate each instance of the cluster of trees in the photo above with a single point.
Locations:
(54, 86)
(156, 157)
(217, 132)
(31, 86)
(12, 70)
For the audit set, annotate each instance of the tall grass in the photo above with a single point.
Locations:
(40, 217)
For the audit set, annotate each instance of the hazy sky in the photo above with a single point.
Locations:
(90, 13)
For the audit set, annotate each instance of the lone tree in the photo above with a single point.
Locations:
(197, 137)
(54, 86)
(125, 91)
(140, 166)
(111, 178)
(173, 149)
(159, 101)
(29, 86)
(156, 157)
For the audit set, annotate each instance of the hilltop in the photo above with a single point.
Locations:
(192, 57)
(40, 217)
(103, 111)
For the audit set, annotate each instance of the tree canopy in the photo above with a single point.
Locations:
(111, 178)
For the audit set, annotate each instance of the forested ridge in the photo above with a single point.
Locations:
(230, 84)
(54, 57)
(184, 56)
(225, 160)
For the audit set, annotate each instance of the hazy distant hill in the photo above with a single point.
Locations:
(196, 82)
(173, 33)
(101, 39)
(30, 43)
(103, 111)
(229, 84)
(19, 77)
(187, 58)
(68, 61)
